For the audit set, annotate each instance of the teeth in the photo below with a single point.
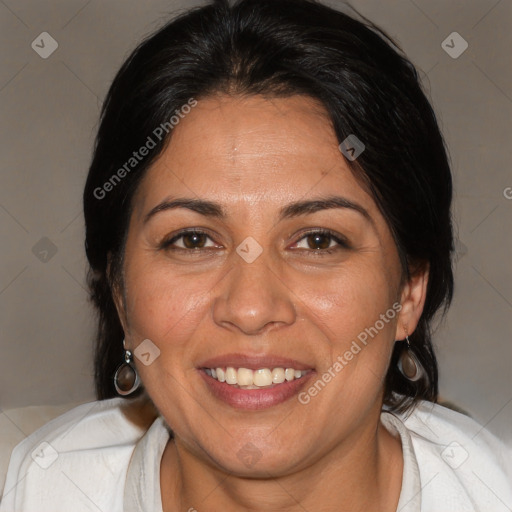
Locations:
(277, 375)
(244, 377)
(231, 375)
(289, 374)
(253, 379)
(262, 377)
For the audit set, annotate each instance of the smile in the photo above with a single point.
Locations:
(245, 378)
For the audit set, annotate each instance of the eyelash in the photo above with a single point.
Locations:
(341, 241)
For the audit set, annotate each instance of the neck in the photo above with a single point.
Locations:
(361, 473)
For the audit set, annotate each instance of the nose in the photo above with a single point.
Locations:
(253, 299)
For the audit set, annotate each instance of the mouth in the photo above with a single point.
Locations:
(245, 378)
(253, 383)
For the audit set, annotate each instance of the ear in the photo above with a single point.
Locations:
(413, 295)
(117, 295)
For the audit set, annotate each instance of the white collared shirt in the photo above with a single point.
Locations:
(92, 458)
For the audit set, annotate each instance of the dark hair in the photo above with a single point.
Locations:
(279, 48)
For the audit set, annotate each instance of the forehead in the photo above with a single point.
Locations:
(252, 150)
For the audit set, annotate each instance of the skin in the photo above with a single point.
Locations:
(254, 155)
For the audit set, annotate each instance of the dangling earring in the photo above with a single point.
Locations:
(126, 378)
(409, 364)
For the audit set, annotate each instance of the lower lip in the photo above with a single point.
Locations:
(254, 399)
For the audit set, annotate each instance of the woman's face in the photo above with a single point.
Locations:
(292, 266)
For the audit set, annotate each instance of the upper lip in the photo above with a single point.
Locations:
(253, 362)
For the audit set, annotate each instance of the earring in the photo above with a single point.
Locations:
(126, 378)
(409, 364)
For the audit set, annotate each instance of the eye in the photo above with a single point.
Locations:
(321, 240)
(188, 240)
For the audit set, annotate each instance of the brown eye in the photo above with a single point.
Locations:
(322, 242)
(192, 240)
(319, 241)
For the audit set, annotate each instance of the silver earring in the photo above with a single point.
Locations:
(409, 364)
(126, 378)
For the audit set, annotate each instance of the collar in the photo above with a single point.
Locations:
(142, 487)
(410, 495)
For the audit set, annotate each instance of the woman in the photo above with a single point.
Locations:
(269, 234)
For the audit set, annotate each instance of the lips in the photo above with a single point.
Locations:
(254, 382)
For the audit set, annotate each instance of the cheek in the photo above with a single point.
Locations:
(350, 299)
(164, 306)
(169, 309)
(353, 308)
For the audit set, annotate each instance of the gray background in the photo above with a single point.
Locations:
(50, 111)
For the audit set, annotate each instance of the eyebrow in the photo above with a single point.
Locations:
(292, 210)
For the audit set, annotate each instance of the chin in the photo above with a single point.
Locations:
(258, 465)
(256, 458)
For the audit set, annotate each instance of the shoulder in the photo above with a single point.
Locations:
(460, 438)
(459, 460)
(78, 459)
